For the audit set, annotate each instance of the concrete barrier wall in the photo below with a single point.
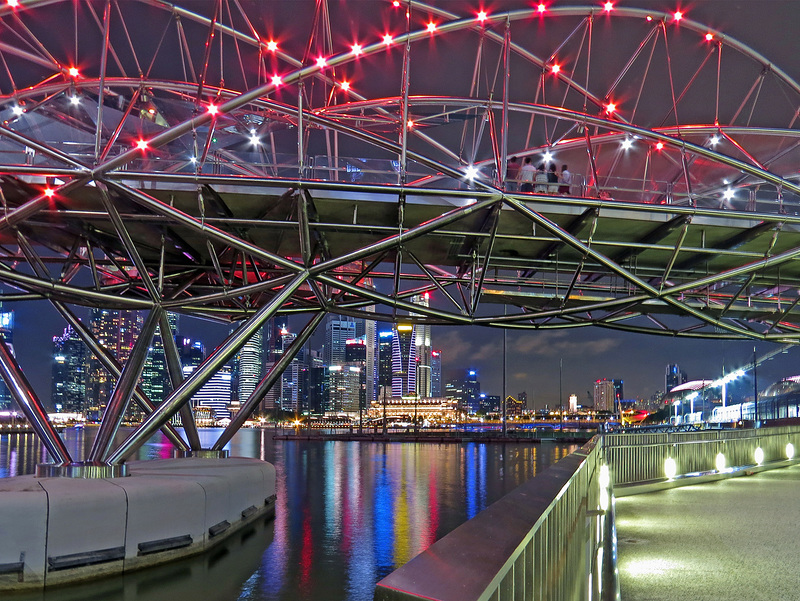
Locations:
(63, 530)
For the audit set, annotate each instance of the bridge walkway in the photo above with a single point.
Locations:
(734, 539)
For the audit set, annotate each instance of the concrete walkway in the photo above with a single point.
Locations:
(736, 539)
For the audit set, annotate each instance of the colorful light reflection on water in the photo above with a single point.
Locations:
(348, 513)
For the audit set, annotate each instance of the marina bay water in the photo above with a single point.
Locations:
(347, 514)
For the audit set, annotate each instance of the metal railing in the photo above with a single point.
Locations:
(551, 538)
(642, 458)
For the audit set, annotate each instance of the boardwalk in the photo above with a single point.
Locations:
(735, 539)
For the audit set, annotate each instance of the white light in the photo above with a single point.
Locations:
(714, 140)
(74, 100)
(719, 462)
(471, 172)
(192, 160)
(548, 156)
(759, 456)
(17, 110)
(670, 468)
(255, 140)
(789, 450)
(604, 479)
(603, 499)
(728, 194)
(627, 143)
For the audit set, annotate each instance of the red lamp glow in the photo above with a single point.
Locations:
(213, 109)
(431, 26)
(141, 144)
(541, 8)
(12, 3)
(659, 145)
(321, 62)
(49, 192)
(276, 80)
(73, 72)
(611, 107)
(482, 16)
(608, 7)
(357, 49)
(387, 39)
(345, 85)
(272, 45)
(555, 68)
(678, 15)
(709, 36)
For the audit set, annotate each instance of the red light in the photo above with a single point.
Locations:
(427, 295)
(49, 192)
(213, 109)
(272, 46)
(431, 26)
(321, 62)
(541, 8)
(73, 72)
(649, 18)
(357, 49)
(141, 144)
(396, 3)
(678, 15)
(410, 124)
(709, 36)
(387, 39)
(611, 107)
(608, 7)
(345, 85)
(13, 3)
(555, 68)
(276, 80)
(482, 16)
(659, 145)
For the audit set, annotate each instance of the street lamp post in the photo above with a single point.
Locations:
(755, 387)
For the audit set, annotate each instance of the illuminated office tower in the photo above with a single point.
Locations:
(70, 367)
(436, 373)
(356, 355)
(604, 395)
(117, 331)
(291, 382)
(472, 391)
(385, 363)
(215, 394)
(404, 360)
(155, 380)
(7, 332)
(338, 330)
(249, 364)
(675, 376)
(422, 342)
(344, 384)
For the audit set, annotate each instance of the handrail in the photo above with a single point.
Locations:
(545, 540)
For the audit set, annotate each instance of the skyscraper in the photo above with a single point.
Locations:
(436, 373)
(155, 380)
(69, 376)
(422, 342)
(472, 391)
(675, 376)
(385, 363)
(117, 331)
(404, 361)
(604, 395)
(7, 332)
(338, 330)
(249, 364)
(215, 394)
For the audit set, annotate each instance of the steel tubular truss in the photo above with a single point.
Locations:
(222, 173)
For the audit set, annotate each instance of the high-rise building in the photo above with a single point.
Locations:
(316, 391)
(618, 392)
(290, 383)
(436, 373)
(117, 331)
(155, 381)
(344, 388)
(7, 332)
(472, 391)
(338, 330)
(675, 376)
(422, 342)
(249, 366)
(70, 367)
(385, 363)
(456, 390)
(404, 360)
(604, 395)
(215, 394)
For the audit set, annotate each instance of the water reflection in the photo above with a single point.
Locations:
(347, 514)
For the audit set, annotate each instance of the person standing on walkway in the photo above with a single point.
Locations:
(541, 180)
(552, 180)
(565, 180)
(526, 173)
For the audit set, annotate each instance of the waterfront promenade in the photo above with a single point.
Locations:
(734, 539)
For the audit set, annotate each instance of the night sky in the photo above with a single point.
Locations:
(533, 357)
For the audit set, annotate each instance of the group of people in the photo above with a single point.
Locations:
(536, 179)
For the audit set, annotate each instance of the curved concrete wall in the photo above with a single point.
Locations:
(62, 530)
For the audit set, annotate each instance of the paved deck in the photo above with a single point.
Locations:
(736, 539)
